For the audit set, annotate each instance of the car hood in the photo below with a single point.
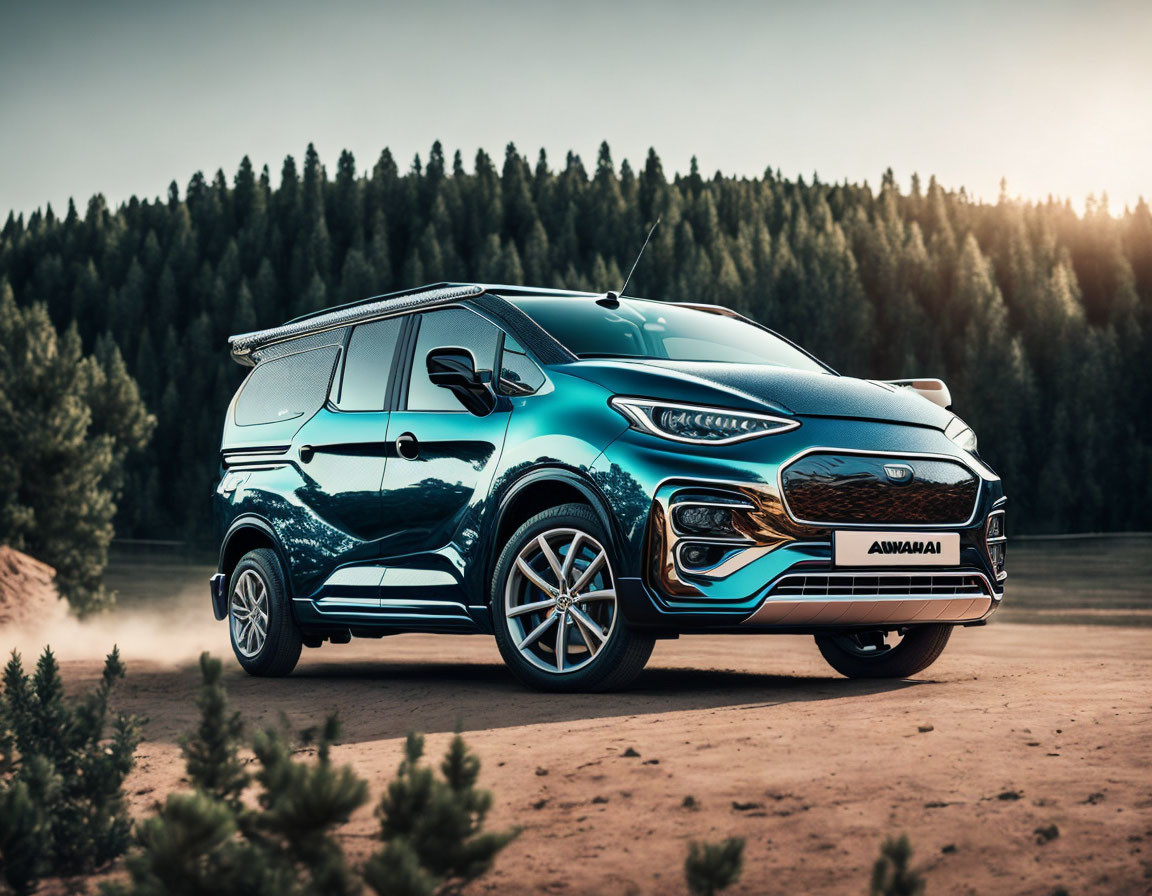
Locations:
(762, 387)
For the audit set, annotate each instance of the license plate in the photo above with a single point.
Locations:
(896, 548)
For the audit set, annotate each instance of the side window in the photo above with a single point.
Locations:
(441, 329)
(287, 387)
(519, 374)
(371, 348)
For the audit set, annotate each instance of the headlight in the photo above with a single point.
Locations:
(961, 433)
(696, 424)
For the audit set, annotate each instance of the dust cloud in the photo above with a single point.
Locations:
(162, 616)
(152, 635)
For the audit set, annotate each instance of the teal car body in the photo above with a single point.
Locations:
(387, 501)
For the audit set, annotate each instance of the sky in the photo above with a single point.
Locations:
(124, 96)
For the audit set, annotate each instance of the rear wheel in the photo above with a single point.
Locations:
(264, 635)
(557, 620)
(879, 654)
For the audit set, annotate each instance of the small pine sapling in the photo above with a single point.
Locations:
(302, 805)
(208, 841)
(891, 875)
(211, 753)
(433, 828)
(712, 867)
(62, 805)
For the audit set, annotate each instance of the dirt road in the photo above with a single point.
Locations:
(1031, 726)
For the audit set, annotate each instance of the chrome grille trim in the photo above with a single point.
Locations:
(880, 585)
(880, 599)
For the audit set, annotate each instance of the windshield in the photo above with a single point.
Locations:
(637, 328)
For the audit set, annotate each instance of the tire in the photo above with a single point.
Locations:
(566, 655)
(918, 649)
(277, 653)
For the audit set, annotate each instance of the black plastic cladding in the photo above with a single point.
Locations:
(525, 330)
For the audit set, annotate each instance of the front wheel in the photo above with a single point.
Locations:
(264, 635)
(878, 654)
(557, 619)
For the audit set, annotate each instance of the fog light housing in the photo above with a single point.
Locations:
(696, 556)
(697, 519)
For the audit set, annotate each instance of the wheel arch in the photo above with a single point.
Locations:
(539, 489)
(248, 534)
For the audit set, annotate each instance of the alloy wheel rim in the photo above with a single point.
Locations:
(560, 600)
(248, 611)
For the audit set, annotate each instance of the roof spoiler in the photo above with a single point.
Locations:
(244, 345)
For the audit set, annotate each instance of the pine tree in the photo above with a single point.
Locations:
(211, 753)
(891, 875)
(433, 828)
(67, 424)
(63, 810)
(881, 283)
(712, 867)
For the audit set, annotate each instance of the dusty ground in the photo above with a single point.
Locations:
(1031, 725)
(1035, 722)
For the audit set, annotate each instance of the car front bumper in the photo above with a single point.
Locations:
(777, 573)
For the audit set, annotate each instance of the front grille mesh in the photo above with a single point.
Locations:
(845, 488)
(887, 585)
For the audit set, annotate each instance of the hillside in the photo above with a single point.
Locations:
(1039, 318)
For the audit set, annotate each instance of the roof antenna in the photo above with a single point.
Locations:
(612, 299)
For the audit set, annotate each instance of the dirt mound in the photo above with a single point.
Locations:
(27, 594)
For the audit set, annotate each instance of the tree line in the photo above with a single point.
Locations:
(1038, 317)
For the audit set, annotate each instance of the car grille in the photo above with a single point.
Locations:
(831, 489)
(884, 585)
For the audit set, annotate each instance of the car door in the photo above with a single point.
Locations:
(440, 468)
(343, 454)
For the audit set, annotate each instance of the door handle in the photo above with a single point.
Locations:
(408, 446)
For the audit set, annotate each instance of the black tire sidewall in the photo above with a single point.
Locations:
(919, 649)
(282, 646)
(618, 662)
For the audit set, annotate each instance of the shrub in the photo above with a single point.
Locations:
(211, 842)
(208, 842)
(712, 867)
(432, 828)
(62, 805)
(891, 875)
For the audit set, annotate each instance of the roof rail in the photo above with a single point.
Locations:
(244, 344)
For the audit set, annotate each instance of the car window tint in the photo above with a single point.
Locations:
(519, 374)
(371, 349)
(285, 388)
(450, 328)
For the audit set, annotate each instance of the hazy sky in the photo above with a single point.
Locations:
(123, 96)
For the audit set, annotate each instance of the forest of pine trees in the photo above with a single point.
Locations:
(1039, 318)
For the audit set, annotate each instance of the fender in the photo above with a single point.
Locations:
(252, 521)
(568, 476)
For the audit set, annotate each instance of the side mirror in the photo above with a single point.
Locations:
(454, 369)
(934, 390)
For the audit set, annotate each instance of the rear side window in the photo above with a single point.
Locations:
(368, 367)
(452, 327)
(287, 387)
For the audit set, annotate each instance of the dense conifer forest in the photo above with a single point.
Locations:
(1039, 318)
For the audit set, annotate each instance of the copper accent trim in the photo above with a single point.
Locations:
(762, 527)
